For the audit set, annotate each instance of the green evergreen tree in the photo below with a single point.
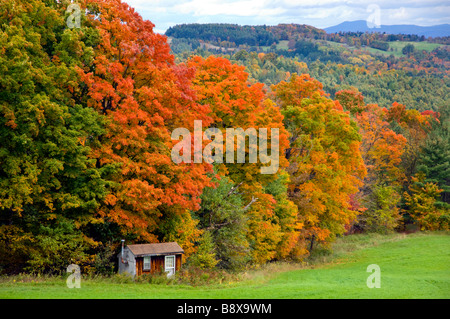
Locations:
(222, 216)
(434, 159)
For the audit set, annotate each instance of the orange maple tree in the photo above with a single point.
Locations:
(235, 103)
(414, 126)
(381, 149)
(325, 164)
(134, 82)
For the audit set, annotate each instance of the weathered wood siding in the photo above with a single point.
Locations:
(156, 265)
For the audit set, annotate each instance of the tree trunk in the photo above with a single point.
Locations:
(312, 243)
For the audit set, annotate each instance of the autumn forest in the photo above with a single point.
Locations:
(86, 116)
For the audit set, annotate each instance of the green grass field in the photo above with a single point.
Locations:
(397, 47)
(412, 266)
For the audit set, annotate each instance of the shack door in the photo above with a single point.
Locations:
(169, 265)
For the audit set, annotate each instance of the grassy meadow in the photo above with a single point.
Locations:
(397, 47)
(412, 266)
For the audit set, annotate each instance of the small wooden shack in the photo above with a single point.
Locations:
(150, 258)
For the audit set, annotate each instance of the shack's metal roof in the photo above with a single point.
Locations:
(156, 249)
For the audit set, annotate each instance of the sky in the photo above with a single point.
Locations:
(319, 13)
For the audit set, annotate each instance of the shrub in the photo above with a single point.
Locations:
(195, 276)
(382, 214)
(205, 256)
(105, 260)
(421, 203)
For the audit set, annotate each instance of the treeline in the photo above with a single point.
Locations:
(235, 35)
(371, 38)
(220, 32)
(86, 122)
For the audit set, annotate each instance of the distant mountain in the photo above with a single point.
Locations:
(442, 30)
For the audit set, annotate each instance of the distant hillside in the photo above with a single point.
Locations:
(260, 35)
(216, 33)
(304, 41)
(442, 30)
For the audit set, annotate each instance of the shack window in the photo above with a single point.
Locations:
(147, 263)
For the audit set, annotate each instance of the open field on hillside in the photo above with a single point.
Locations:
(397, 47)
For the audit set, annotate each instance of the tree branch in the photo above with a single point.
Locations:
(254, 199)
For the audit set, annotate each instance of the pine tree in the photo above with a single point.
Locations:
(222, 216)
(434, 159)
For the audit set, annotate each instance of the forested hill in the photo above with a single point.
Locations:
(386, 68)
(263, 35)
(238, 35)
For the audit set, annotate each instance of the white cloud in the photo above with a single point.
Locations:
(399, 14)
(242, 8)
